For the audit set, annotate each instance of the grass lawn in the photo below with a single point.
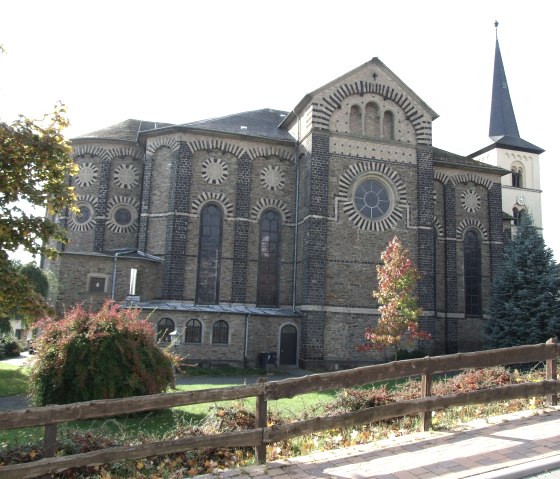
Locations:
(13, 380)
(157, 424)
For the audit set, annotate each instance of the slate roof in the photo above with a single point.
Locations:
(503, 125)
(262, 123)
(125, 130)
(215, 308)
(448, 158)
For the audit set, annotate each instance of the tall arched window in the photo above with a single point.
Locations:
(516, 177)
(356, 120)
(473, 273)
(269, 260)
(209, 255)
(388, 125)
(372, 120)
(165, 327)
(220, 332)
(193, 331)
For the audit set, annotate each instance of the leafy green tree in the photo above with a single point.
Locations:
(98, 355)
(525, 301)
(37, 277)
(35, 162)
(36, 286)
(397, 325)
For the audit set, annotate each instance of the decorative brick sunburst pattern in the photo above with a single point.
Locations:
(85, 219)
(362, 170)
(220, 198)
(87, 175)
(470, 200)
(126, 176)
(266, 203)
(214, 171)
(123, 214)
(273, 178)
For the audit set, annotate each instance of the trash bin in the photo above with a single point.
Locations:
(271, 358)
(262, 360)
(267, 359)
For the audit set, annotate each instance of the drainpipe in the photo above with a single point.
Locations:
(246, 344)
(296, 216)
(115, 257)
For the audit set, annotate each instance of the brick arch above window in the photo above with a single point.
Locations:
(274, 151)
(134, 153)
(322, 112)
(101, 153)
(467, 224)
(170, 143)
(441, 177)
(471, 177)
(438, 227)
(265, 204)
(220, 198)
(215, 144)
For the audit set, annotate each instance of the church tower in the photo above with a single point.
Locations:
(521, 190)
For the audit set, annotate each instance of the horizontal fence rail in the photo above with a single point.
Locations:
(264, 391)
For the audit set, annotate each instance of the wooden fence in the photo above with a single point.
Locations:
(264, 391)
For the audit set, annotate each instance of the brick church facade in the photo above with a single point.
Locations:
(260, 231)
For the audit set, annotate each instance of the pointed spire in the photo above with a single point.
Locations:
(502, 116)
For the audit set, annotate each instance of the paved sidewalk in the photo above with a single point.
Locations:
(512, 446)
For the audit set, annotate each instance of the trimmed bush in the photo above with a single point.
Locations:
(98, 355)
(9, 347)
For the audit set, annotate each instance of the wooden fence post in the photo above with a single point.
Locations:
(426, 416)
(551, 373)
(261, 420)
(49, 442)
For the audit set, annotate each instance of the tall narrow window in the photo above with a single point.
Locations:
(515, 216)
(269, 259)
(473, 273)
(355, 120)
(220, 332)
(388, 126)
(516, 178)
(372, 120)
(209, 253)
(193, 331)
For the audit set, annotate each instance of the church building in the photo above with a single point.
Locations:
(254, 237)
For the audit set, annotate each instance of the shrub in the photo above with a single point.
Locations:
(98, 355)
(9, 347)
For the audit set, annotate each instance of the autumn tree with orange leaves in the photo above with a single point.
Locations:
(397, 326)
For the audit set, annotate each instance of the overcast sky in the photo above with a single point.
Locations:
(181, 61)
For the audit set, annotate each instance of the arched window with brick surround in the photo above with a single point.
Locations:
(473, 273)
(268, 277)
(165, 327)
(209, 255)
(220, 332)
(355, 120)
(388, 125)
(193, 331)
(372, 120)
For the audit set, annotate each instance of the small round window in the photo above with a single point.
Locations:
(83, 216)
(123, 216)
(372, 199)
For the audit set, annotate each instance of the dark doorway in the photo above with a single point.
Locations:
(288, 345)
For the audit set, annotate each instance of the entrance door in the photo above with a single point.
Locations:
(288, 345)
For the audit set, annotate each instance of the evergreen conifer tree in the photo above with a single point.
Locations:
(525, 302)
